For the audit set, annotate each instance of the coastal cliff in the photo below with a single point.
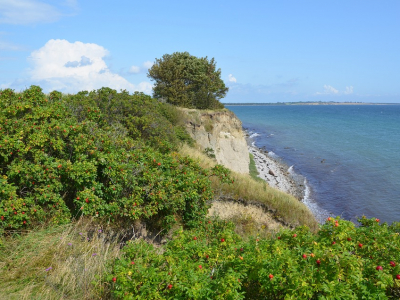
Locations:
(220, 133)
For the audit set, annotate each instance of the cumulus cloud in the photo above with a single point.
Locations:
(72, 67)
(349, 90)
(134, 69)
(145, 66)
(330, 90)
(231, 78)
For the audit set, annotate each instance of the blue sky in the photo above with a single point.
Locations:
(268, 51)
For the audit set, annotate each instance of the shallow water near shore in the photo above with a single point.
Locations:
(349, 154)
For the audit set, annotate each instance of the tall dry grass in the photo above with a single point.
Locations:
(58, 262)
(286, 207)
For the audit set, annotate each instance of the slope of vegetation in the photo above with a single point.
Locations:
(79, 172)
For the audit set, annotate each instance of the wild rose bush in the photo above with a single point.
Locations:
(341, 261)
(54, 167)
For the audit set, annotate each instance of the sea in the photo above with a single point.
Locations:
(348, 155)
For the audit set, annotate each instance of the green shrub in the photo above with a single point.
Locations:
(341, 261)
(54, 167)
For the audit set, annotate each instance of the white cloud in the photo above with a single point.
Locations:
(231, 78)
(27, 12)
(330, 90)
(134, 69)
(72, 67)
(145, 66)
(148, 64)
(349, 90)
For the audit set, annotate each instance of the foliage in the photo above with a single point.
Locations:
(209, 152)
(185, 80)
(341, 261)
(55, 165)
(253, 169)
(280, 206)
(155, 123)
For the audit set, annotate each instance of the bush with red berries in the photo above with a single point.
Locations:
(60, 159)
(298, 265)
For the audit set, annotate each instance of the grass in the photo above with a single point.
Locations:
(253, 172)
(58, 262)
(72, 261)
(284, 206)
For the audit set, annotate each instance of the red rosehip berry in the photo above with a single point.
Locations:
(333, 243)
(304, 256)
(132, 262)
(114, 279)
(329, 218)
(379, 268)
(169, 286)
(200, 267)
(318, 262)
(271, 276)
(222, 240)
(194, 238)
(398, 277)
(360, 245)
(294, 235)
(349, 239)
(377, 220)
(392, 263)
(279, 237)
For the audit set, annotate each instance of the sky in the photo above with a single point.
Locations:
(268, 51)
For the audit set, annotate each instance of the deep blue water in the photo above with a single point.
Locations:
(349, 154)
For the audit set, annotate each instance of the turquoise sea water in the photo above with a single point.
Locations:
(349, 154)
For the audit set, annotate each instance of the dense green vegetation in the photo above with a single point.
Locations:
(110, 159)
(103, 154)
(188, 81)
(341, 261)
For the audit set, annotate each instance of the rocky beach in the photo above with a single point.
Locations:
(276, 173)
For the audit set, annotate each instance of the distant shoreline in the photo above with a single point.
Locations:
(307, 103)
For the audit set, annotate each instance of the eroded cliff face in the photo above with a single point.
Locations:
(222, 132)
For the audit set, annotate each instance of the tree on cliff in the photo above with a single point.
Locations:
(186, 80)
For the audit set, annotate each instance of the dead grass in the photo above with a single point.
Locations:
(284, 206)
(63, 262)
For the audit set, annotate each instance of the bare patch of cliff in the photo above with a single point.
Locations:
(220, 133)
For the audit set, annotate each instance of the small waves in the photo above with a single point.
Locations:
(319, 213)
(290, 170)
(272, 154)
(253, 135)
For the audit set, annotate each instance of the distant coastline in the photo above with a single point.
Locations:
(308, 103)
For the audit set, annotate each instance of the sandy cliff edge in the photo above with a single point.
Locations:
(221, 131)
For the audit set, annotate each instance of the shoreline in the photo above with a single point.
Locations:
(275, 172)
(282, 177)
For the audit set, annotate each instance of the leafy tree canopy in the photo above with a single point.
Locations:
(186, 80)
